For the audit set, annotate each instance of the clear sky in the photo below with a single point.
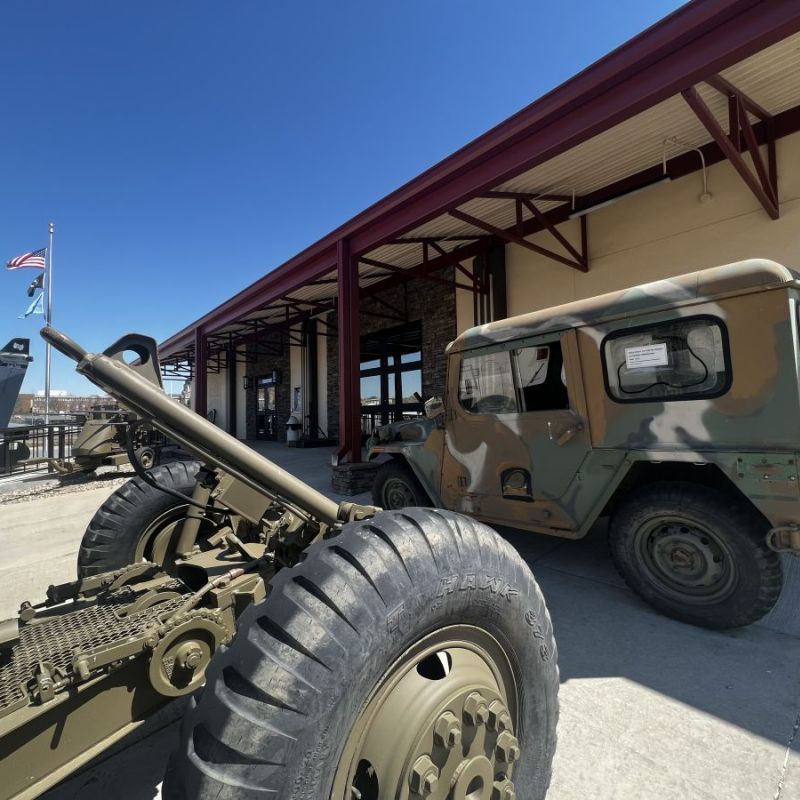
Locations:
(184, 149)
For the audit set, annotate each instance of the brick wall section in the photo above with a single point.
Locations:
(350, 479)
(263, 366)
(434, 304)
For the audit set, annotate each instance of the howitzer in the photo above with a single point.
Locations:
(348, 652)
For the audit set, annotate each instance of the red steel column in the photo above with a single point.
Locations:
(349, 323)
(200, 372)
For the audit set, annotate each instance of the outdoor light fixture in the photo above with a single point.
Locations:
(581, 212)
(246, 382)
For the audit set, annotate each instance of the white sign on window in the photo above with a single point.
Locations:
(649, 355)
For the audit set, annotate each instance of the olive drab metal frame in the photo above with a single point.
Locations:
(86, 666)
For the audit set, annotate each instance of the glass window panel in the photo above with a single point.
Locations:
(411, 382)
(486, 385)
(674, 360)
(371, 391)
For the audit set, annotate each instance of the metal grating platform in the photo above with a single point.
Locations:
(56, 640)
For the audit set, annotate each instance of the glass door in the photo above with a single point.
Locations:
(266, 416)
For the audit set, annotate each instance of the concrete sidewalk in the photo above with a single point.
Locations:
(650, 708)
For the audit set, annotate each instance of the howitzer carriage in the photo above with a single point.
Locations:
(347, 652)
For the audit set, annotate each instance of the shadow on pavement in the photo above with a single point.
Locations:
(749, 677)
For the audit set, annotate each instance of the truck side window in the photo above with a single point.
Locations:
(540, 377)
(683, 359)
(486, 385)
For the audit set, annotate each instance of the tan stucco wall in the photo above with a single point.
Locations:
(465, 310)
(217, 397)
(661, 232)
(241, 395)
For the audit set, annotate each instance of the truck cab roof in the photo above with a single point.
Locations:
(755, 274)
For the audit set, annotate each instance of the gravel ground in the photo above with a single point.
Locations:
(35, 486)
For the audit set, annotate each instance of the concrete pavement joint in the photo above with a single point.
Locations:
(785, 765)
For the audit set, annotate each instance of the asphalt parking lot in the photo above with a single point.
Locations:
(650, 708)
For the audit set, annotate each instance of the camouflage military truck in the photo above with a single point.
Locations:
(673, 408)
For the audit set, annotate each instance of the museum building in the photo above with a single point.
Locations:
(679, 150)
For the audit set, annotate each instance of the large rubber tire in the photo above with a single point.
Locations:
(712, 528)
(395, 487)
(135, 510)
(280, 702)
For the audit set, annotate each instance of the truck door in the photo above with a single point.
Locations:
(517, 433)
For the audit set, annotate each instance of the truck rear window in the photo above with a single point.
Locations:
(683, 359)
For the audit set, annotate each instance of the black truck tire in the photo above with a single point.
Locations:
(396, 486)
(343, 630)
(696, 554)
(124, 526)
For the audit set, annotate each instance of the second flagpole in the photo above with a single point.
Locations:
(48, 321)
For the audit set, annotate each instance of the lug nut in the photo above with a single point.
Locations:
(507, 749)
(499, 718)
(503, 790)
(424, 777)
(189, 656)
(447, 731)
(476, 710)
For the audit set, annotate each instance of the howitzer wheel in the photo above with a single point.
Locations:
(137, 522)
(411, 656)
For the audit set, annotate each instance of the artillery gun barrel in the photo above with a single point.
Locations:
(149, 402)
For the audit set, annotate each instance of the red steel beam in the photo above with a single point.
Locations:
(580, 258)
(755, 155)
(727, 88)
(731, 153)
(349, 324)
(200, 373)
(515, 239)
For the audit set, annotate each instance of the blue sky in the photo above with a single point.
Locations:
(184, 149)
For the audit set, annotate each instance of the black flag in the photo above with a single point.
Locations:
(36, 283)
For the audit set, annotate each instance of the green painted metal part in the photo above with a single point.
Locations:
(94, 660)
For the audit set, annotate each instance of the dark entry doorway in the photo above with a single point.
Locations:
(391, 375)
(266, 416)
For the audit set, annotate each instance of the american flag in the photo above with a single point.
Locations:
(34, 260)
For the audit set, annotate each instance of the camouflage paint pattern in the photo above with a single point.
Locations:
(575, 458)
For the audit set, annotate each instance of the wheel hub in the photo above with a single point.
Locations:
(397, 494)
(436, 734)
(685, 559)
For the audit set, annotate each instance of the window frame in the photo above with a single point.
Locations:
(726, 358)
(478, 353)
(542, 340)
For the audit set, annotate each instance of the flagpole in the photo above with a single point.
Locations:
(48, 321)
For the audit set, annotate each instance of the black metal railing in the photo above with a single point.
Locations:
(370, 420)
(30, 447)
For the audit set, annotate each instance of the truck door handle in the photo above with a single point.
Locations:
(566, 434)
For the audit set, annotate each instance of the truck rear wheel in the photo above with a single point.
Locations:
(696, 555)
(412, 653)
(136, 522)
(396, 487)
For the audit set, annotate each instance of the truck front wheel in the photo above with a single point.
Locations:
(396, 486)
(410, 656)
(696, 554)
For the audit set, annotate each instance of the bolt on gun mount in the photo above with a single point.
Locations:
(89, 664)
